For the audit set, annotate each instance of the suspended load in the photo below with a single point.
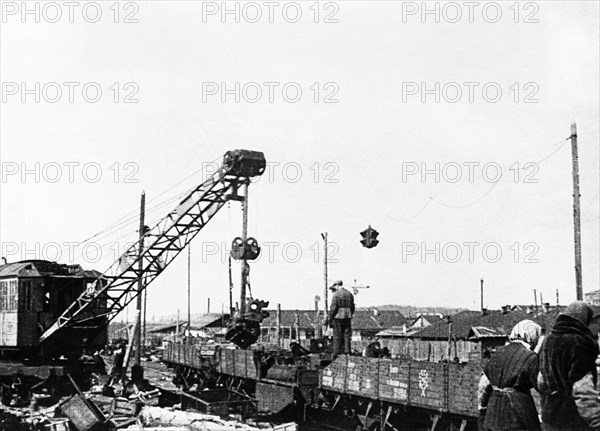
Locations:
(244, 163)
(369, 237)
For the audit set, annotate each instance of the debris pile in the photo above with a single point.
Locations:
(96, 413)
(191, 421)
(114, 403)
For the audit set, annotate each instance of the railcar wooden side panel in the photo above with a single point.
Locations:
(427, 385)
(227, 362)
(333, 377)
(248, 363)
(167, 353)
(238, 363)
(362, 377)
(393, 380)
(433, 386)
(463, 380)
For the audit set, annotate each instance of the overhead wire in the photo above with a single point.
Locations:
(133, 216)
(133, 229)
(430, 199)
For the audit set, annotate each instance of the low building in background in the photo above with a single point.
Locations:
(304, 325)
(457, 337)
(208, 326)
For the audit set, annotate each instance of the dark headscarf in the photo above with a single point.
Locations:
(581, 311)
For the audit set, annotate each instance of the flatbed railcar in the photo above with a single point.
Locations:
(382, 393)
(277, 382)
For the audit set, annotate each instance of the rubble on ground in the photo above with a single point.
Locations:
(128, 405)
(122, 414)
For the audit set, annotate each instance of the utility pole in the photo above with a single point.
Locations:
(278, 325)
(535, 302)
(318, 327)
(144, 332)
(138, 314)
(576, 213)
(449, 349)
(230, 291)
(245, 266)
(326, 309)
(481, 288)
(189, 291)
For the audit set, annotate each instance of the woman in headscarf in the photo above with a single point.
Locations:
(567, 356)
(507, 380)
(586, 392)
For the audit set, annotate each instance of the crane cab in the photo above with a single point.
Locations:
(33, 293)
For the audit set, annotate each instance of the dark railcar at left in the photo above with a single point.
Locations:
(33, 294)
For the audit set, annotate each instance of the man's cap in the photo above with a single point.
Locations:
(336, 284)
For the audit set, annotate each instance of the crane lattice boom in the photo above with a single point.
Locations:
(117, 287)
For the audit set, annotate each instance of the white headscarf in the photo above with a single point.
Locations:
(526, 331)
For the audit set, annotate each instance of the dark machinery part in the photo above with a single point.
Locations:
(244, 163)
(369, 236)
(245, 331)
(248, 251)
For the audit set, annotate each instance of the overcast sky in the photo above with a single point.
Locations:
(346, 114)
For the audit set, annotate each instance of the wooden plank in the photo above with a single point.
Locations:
(333, 377)
(393, 380)
(426, 385)
(363, 377)
(462, 388)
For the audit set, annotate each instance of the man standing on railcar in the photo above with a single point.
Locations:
(340, 317)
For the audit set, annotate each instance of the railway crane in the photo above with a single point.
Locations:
(97, 305)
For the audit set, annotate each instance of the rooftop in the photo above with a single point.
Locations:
(495, 322)
(44, 268)
(364, 319)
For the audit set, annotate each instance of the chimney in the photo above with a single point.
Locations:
(546, 307)
(375, 312)
(505, 309)
(481, 292)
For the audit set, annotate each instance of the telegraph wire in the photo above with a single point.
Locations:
(470, 204)
(410, 218)
(128, 224)
(559, 145)
(135, 230)
(132, 216)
